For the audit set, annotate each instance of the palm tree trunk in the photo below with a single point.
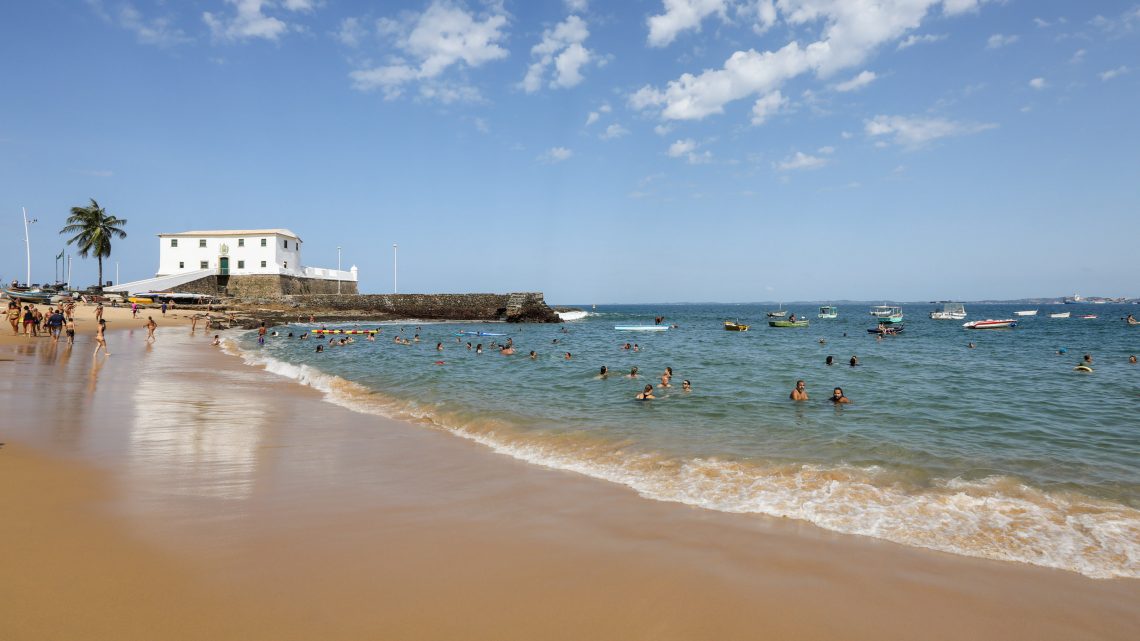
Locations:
(100, 282)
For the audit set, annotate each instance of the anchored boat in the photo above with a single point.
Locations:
(950, 311)
(887, 313)
(788, 323)
(1060, 315)
(989, 323)
(1028, 312)
(733, 326)
(828, 311)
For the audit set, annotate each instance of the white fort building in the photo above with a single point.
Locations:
(239, 261)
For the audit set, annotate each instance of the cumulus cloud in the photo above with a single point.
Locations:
(928, 38)
(767, 106)
(1038, 83)
(681, 15)
(997, 41)
(851, 31)
(1112, 73)
(858, 82)
(443, 36)
(800, 160)
(159, 31)
(687, 149)
(555, 155)
(917, 131)
(249, 19)
(593, 116)
(562, 48)
(577, 6)
(614, 131)
(351, 32)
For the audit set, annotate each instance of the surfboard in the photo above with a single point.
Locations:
(1083, 368)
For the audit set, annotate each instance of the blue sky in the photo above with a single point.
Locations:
(639, 151)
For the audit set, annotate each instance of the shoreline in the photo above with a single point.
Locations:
(256, 488)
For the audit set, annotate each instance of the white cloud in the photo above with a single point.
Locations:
(997, 41)
(351, 32)
(1038, 83)
(681, 15)
(555, 155)
(767, 106)
(827, 151)
(444, 35)
(927, 38)
(250, 21)
(591, 118)
(917, 131)
(851, 31)
(614, 131)
(682, 147)
(858, 82)
(663, 129)
(846, 135)
(1041, 24)
(800, 160)
(1112, 73)
(578, 6)
(155, 31)
(687, 149)
(1078, 56)
(1120, 25)
(762, 13)
(562, 47)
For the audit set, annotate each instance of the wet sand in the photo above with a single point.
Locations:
(169, 491)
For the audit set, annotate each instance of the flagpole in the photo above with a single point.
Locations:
(28, 245)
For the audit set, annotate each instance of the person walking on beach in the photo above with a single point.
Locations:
(13, 315)
(99, 312)
(150, 327)
(134, 310)
(55, 325)
(800, 392)
(70, 331)
(100, 339)
(164, 309)
(261, 331)
(29, 321)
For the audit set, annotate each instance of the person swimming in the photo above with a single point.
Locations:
(854, 361)
(632, 372)
(830, 361)
(533, 355)
(1132, 359)
(800, 392)
(686, 386)
(838, 398)
(604, 372)
(646, 394)
(567, 356)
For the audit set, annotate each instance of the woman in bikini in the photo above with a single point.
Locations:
(100, 340)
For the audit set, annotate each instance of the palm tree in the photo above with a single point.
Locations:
(93, 228)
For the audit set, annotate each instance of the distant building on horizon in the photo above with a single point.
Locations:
(241, 262)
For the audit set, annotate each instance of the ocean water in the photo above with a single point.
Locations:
(1001, 451)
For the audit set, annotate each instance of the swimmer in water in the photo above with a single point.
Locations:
(507, 350)
(646, 394)
(830, 361)
(971, 345)
(1132, 359)
(838, 398)
(439, 347)
(632, 373)
(854, 361)
(217, 340)
(533, 355)
(1087, 362)
(320, 348)
(800, 392)
(604, 372)
(479, 348)
(686, 386)
(567, 356)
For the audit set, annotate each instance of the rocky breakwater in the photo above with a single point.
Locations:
(518, 307)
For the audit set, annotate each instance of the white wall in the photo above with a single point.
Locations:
(189, 255)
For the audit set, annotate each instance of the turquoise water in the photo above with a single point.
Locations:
(1000, 451)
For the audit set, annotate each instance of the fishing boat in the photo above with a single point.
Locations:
(788, 323)
(1060, 315)
(1027, 312)
(641, 328)
(779, 313)
(733, 326)
(989, 323)
(828, 311)
(950, 311)
(31, 295)
(1087, 316)
(887, 313)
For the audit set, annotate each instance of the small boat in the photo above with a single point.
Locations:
(1060, 315)
(140, 300)
(733, 326)
(887, 313)
(641, 328)
(886, 329)
(1087, 316)
(950, 311)
(779, 313)
(829, 311)
(1028, 312)
(30, 295)
(989, 323)
(788, 323)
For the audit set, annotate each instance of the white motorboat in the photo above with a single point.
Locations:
(1028, 312)
(990, 323)
(828, 311)
(1060, 315)
(950, 311)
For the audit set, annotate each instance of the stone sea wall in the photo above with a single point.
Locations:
(265, 286)
(516, 307)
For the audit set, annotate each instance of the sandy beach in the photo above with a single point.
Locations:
(171, 492)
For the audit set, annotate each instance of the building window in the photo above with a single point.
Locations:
(263, 264)
(173, 242)
(181, 265)
(241, 264)
(202, 242)
(204, 264)
(286, 264)
(286, 244)
(241, 242)
(263, 245)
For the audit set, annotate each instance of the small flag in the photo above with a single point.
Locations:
(60, 257)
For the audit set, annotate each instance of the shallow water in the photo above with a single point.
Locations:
(1001, 451)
